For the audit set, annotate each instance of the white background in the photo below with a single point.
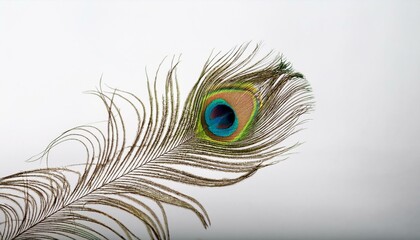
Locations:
(358, 174)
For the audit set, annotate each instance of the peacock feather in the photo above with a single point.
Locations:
(234, 121)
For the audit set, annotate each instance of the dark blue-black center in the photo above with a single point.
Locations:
(220, 118)
(225, 114)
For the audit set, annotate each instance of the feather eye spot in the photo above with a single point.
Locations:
(220, 118)
(227, 114)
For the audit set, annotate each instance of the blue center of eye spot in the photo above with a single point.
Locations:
(220, 118)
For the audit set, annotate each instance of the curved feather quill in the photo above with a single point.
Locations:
(125, 179)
